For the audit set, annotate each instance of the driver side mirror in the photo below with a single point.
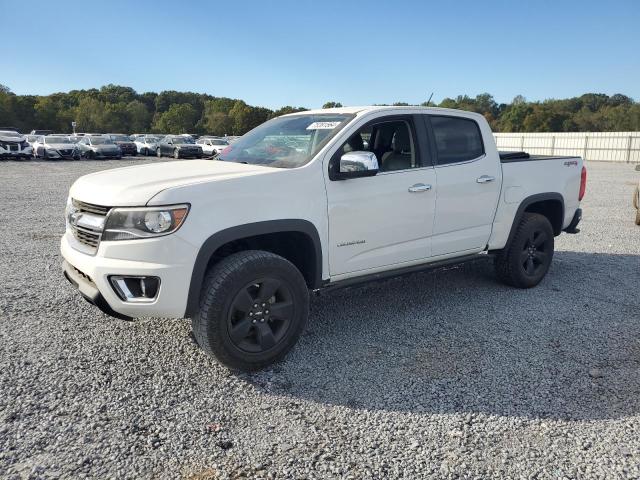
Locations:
(356, 165)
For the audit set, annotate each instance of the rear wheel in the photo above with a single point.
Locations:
(253, 308)
(525, 261)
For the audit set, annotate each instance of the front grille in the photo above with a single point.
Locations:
(91, 208)
(87, 236)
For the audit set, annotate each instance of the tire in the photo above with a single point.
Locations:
(526, 259)
(44, 155)
(145, 152)
(233, 299)
(176, 154)
(636, 204)
(158, 153)
(89, 155)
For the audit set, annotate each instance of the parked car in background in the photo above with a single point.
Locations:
(99, 147)
(125, 143)
(56, 147)
(41, 132)
(31, 139)
(146, 144)
(14, 145)
(212, 145)
(178, 146)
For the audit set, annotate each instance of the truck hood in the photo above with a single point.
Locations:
(135, 186)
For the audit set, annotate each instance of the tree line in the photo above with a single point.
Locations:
(114, 108)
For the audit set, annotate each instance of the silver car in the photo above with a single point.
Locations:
(56, 147)
(99, 147)
(147, 144)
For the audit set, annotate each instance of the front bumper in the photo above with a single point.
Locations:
(24, 153)
(190, 153)
(90, 273)
(126, 150)
(107, 154)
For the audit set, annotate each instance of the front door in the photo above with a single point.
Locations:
(384, 221)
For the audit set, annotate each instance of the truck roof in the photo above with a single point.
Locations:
(373, 108)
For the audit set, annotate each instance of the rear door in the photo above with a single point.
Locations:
(469, 182)
(384, 221)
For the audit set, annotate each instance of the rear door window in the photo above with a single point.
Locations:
(457, 139)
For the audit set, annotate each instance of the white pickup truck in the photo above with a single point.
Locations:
(308, 202)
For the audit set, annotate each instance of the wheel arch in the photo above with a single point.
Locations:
(271, 235)
(549, 204)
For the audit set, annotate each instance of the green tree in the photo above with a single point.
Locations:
(179, 118)
(139, 117)
(332, 105)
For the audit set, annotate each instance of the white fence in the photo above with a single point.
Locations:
(599, 146)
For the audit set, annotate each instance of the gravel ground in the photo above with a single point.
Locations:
(446, 374)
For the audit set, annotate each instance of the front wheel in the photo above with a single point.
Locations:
(525, 261)
(253, 308)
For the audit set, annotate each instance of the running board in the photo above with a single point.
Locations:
(398, 272)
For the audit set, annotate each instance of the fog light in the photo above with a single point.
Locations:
(135, 289)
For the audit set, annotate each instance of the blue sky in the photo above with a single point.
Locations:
(303, 53)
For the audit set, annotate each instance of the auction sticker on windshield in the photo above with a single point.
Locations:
(323, 125)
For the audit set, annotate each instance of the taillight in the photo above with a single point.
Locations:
(583, 183)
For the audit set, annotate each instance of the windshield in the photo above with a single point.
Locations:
(183, 140)
(101, 141)
(150, 139)
(56, 140)
(120, 138)
(218, 142)
(285, 142)
(6, 133)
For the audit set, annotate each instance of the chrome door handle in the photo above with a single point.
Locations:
(419, 187)
(485, 179)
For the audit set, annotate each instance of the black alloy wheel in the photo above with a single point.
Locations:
(526, 259)
(260, 315)
(535, 252)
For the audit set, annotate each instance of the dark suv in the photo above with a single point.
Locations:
(125, 143)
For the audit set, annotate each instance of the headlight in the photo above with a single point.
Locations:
(146, 222)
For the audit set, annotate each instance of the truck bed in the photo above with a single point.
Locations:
(511, 157)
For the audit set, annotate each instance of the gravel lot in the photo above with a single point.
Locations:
(446, 374)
